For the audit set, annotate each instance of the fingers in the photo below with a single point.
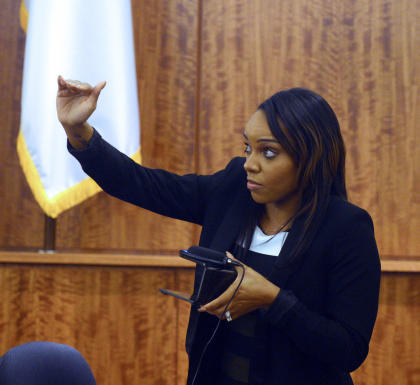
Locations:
(73, 84)
(219, 312)
(217, 303)
(77, 87)
(217, 306)
(214, 305)
(98, 88)
(61, 82)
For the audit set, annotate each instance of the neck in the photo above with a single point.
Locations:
(277, 214)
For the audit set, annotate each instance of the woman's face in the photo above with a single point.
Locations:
(271, 172)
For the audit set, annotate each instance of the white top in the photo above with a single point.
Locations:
(267, 244)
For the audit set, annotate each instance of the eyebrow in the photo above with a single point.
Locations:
(264, 140)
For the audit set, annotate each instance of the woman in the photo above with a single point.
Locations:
(42, 363)
(305, 310)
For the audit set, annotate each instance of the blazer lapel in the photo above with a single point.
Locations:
(282, 270)
(228, 230)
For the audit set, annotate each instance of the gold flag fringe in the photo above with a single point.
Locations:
(65, 199)
(23, 16)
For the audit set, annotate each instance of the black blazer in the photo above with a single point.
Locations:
(322, 320)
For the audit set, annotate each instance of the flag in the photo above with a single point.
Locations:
(86, 40)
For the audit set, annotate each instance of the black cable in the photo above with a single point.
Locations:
(220, 319)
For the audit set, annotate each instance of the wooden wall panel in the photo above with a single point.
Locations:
(130, 333)
(395, 345)
(362, 56)
(21, 219)
(252, 49)
(165, 40)
(185, 279)
(379, 93)
(116, 317)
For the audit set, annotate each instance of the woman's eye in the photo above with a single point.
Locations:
(269, 153)
(247, 149)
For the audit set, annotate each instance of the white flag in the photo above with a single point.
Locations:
(86, 40)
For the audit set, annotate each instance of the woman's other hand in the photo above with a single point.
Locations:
(76, 101)
(254, 293)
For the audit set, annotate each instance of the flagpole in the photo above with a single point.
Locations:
(49, 234)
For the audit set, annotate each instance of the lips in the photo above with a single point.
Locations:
(253, 186)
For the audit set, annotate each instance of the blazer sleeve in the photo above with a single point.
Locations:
(339, 337)
(182, 197)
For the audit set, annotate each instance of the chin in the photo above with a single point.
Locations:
(258, 198)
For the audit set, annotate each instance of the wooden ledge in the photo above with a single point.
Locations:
(96, 259)
(389, 264)
(400, 265)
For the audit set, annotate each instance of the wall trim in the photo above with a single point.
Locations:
(96, 259)
(389, 263)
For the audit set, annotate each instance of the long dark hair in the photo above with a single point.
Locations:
(308, 130)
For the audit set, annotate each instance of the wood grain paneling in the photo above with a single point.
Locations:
(130, 333)
(395, 345)
(21, 219)
(379, 93)
(116, 317)
(252, 49)
(185, 279)
(362, 56)
(165, 39)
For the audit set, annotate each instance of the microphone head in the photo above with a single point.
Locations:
(213, 255)
(208, 253)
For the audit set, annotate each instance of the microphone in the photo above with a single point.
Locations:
(213, 255)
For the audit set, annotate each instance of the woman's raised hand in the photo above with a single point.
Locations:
(76, 101)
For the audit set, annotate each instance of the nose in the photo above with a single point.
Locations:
(251, 164)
